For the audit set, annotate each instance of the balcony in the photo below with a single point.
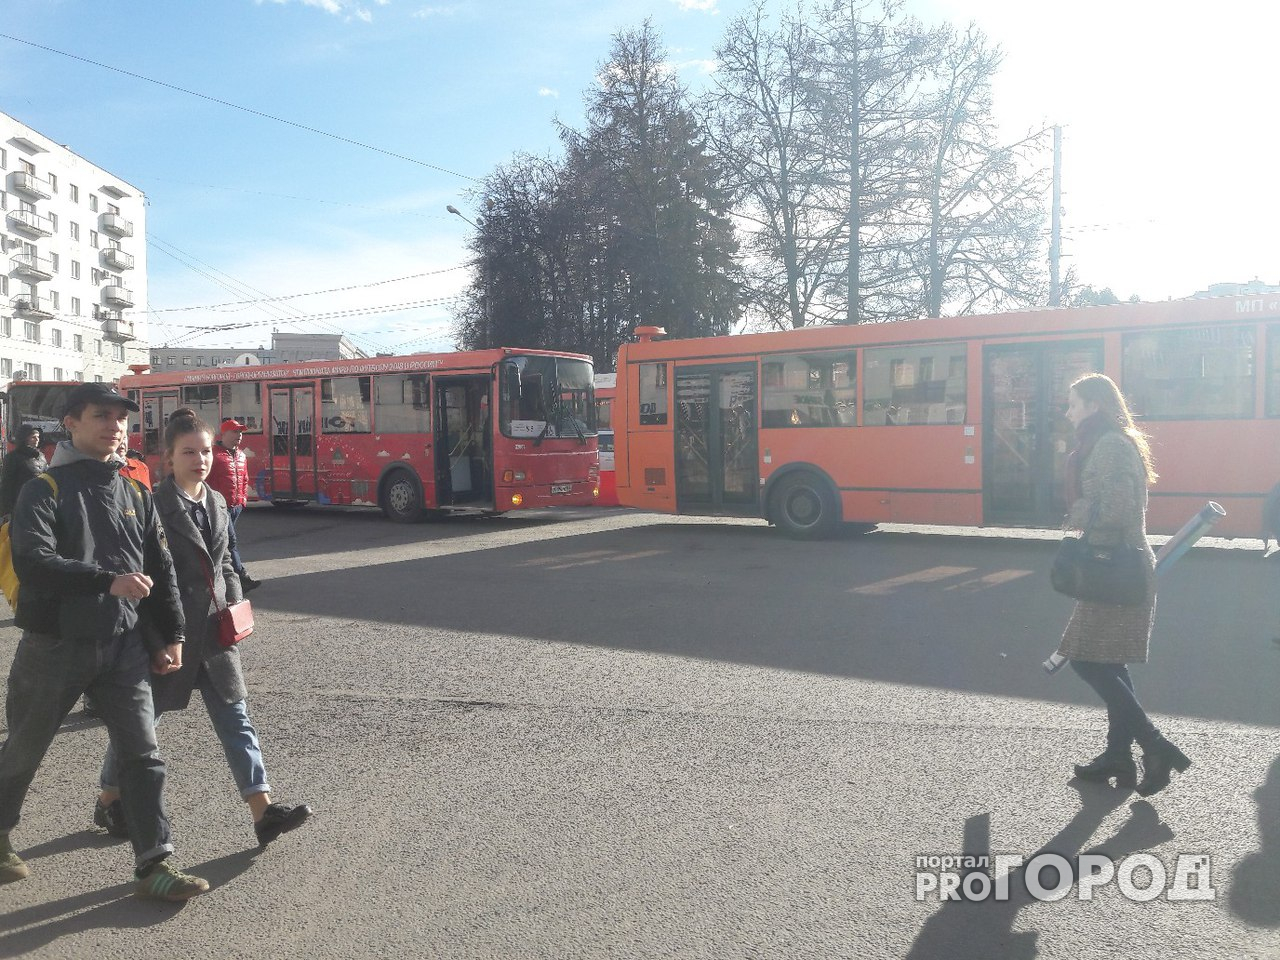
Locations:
(30, 223)
(29, 185)
(116, 329)
(117, 259)
(30, 267)
(31, 308)
(117, 296)
(116, 225)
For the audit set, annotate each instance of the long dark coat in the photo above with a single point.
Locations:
(20, 464)
(192, 561)
(1113, 506)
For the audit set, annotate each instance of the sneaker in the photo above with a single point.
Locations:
(111, 818)
(11, 866)
(247, 583)
(166, 882)
(279, 818)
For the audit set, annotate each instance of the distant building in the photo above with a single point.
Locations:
(72, 263)
(285, 348)
(1250, 289)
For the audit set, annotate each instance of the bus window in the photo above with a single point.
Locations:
(653, 393)
(402, 404)
(243, 402)
(1201, 373)
(204, 401)
(808, 390)
(914, 385)
(344, 405)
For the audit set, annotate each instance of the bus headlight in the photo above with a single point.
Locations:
(517, 499)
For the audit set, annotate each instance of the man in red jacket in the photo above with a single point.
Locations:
(229, 475)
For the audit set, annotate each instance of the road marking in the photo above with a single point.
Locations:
(931, 575)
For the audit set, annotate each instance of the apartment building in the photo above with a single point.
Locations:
(73, 271)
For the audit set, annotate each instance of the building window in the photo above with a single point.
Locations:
(53, 261)
(95, 275)
(98, 347)
(93, 205)
(4, 165)
(4, 285)
(77, 342)
(74, 229)
(171, 361)
(74, 191)
(57, 373)
(78, 375)
(4, 200)
(117, 351)
(6, 365)
(53, 187)
(75, 306)
(155, 360)
(186, 361)
(6, 326)
(55, 338)
(75, 269)
(112, 208)
(199, 361)
(33, 371)
(30, 331)
(97, 378)
(27, 166)
(54, 298)
(53, 221)
(93, 239)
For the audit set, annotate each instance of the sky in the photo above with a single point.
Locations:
(1169, 145)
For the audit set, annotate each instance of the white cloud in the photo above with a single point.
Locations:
(704, 67)
(708, 6)
(548, 92)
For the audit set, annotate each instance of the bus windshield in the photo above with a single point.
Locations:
(547, 397)
(41, 404)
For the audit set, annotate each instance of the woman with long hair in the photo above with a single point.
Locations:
(1108, 473)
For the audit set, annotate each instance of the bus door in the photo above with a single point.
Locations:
(156, 409)
(1027, 435)
(464, 441)
(716, 439)
(293, 442)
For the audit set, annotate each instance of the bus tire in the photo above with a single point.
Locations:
(401, 498)
(803, 506)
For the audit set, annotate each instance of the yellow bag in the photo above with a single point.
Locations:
(8, 578)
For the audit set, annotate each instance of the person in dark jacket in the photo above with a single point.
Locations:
(196, 525)
(22, 463)
(1107, 477)
(90, 552)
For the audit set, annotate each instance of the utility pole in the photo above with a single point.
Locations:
(855, 187)
(1055, 221)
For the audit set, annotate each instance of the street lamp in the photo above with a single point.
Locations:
(484, 277)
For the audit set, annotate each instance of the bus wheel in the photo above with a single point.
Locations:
(401, 500)
(802, 506)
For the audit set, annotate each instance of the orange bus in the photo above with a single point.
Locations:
(410, 434)
(38, 402)
(949, 421)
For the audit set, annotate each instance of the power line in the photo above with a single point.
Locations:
(236, 106)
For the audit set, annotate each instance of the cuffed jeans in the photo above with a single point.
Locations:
(1126, 720)
(236, 733)
(232, 546)
(47, 677)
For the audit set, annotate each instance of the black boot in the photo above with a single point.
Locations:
(1107, 765)
(1157, 764)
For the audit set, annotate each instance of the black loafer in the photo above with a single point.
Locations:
(111, 818)
(280, 818)
(1158, 765)
(1104, 767)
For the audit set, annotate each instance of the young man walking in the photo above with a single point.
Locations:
(89, 551)
(229, 475)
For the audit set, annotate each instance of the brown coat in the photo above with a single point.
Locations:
(1114, 507)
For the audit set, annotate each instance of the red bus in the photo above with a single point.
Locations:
(38, 402)
(605, 384)
(949, 421)
(409, 434)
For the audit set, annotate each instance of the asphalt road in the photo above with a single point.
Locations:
(612, 734)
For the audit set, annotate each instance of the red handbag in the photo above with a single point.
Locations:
(234, 621)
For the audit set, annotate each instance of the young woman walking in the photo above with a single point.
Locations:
(1108, 473)
(196, 522)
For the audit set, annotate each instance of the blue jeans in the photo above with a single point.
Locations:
(47, 677)
(235, 731)
(1126, 720)
(232, 545)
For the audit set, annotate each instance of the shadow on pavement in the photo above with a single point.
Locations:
(1255, 882)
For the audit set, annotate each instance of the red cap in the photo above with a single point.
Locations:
(229, 424)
